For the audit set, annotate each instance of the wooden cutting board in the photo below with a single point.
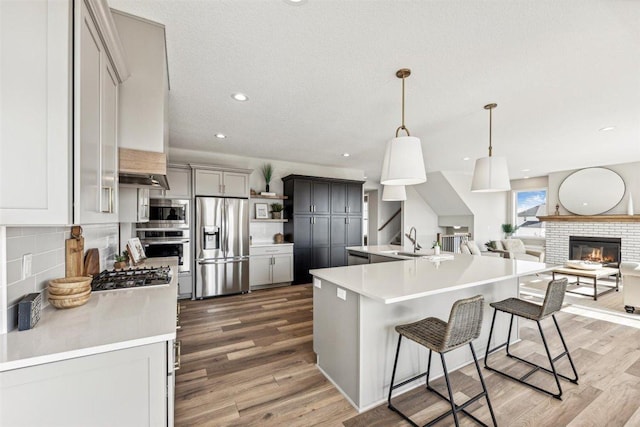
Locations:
(92, 262)
(73, 253)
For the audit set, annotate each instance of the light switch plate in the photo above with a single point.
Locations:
(26, 265)
(316, 283)
(342, 294)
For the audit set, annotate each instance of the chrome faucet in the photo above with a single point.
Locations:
(414, 239)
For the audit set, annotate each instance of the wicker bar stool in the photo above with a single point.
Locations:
(528, 310)
(465, 322)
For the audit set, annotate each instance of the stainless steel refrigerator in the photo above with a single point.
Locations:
(221, 246)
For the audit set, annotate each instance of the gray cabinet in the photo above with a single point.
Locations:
(270, 265)
(345, 231)
(223, 183)
(325, 216)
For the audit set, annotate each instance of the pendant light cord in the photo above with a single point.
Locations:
(490, 107)
(490, 127)
(403, 127)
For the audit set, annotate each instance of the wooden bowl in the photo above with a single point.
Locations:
(69, 296)
(71, 282)
(71, 302)
(70, 292)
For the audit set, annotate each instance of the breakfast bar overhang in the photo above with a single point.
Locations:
(356, 308)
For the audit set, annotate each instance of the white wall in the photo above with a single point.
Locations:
(372, 231)
(490, 210)
(630, 173)
(417, 213)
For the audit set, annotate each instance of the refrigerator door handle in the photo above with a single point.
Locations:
(226, 261)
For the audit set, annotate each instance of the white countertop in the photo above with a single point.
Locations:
(110, 320)
(266, 244)
(392, 282)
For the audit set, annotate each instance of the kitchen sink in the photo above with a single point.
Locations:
(409, 254)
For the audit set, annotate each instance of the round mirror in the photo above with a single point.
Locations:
(591, 191)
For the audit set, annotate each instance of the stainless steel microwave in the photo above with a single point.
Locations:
(172, 213)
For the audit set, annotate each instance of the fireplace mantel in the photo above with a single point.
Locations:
(591, 218)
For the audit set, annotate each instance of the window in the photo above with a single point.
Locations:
(529, 204)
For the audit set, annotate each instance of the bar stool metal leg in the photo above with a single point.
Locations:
(536, 367)
(463, 327)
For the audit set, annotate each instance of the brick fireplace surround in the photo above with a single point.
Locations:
(558, 232)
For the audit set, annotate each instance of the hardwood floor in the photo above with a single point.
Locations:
(248, 360)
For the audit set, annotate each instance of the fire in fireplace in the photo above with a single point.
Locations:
(605, 250)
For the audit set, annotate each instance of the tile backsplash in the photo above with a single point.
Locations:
(46, 244)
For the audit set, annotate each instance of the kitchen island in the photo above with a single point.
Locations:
(356, 308)
(108, 362)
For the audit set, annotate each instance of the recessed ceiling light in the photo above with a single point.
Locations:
(525, 177)
(240, 96)
(295, 2)
(607, 129)
(525, 170)
(220, 135)
(466, 158)
(345, 154)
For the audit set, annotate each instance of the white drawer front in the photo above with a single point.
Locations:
(271, 250)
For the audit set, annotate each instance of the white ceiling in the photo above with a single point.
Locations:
(321, 79)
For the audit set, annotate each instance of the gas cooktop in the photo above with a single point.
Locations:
(110, 280)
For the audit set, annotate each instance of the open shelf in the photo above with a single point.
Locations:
(276, 197)
(269, 220)
(591, 218)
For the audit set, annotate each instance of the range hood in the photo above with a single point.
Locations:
(139, 168)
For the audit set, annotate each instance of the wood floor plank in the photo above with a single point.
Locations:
(248, 360)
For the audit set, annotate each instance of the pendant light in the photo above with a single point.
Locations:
(394, 193)
(490, 173)
(403, 163)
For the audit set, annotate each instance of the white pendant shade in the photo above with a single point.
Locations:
(403, 162)
(394, 193)
(490, 175)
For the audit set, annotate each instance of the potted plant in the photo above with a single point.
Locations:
(267, 173)
(276, 210)
(508, 230)
(121, 260)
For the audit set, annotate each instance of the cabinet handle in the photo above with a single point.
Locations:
(314, 208)
(346, 209)
(177, 345)
(110, 191)
(345, 221)
(178, 326)
(311, 220)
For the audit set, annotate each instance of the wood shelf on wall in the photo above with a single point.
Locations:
(590, 218)
(269, 220)
(276, 197)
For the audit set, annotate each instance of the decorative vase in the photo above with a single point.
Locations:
(276, 215)
(436, 250)
(119, 265)
(267, 189)
(630, 206)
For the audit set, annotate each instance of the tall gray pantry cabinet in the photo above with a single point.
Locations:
(325, 216)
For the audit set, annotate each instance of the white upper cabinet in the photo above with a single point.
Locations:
(224, 183)
(40, 179)
(35, 135)
(179, 179)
